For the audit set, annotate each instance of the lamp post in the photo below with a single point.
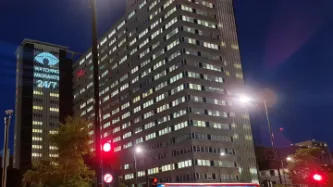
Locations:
(222, 154)
(245, 100)
(94, 56)
(136, 150)
(5, 151)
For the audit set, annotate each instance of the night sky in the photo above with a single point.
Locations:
(286, 48)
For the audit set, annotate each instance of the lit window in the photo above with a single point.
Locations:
(106, 116)
(127, 135)
(136, 99)
(172, 33)
(139, 140)
(185, 164)
(150, 136)
(188, 19)
(37, 122)
(173, 44)
(153, 171)
(164, 131)
(186, 8)
(170, 12)
(129, 176)
(35, 138)
(210, 45)
(176, 77)
(206, 24)
(143, 33)
(142, 4)
(38, 92)
(117, 129)
(170, 23)
(137, 109)
(37, 107)
(116, 139)
(36, 154)
(54, 155)
(115, 120)
(126, 115)
(148, 103)
(162, 108)
(131, 14)
(54, 132)
(107, 124)
(156, 33)
(37, 146)
(143, 43)
(53, 147)
(166, 4)
(123, 87)
(180, 125)
(54, 109)
(37, 130)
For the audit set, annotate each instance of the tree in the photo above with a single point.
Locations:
(69, 168)
(305, 163)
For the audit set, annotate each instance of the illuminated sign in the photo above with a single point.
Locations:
(46, 77)
(46, 58)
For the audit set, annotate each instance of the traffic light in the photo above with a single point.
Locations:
(154, 182)
(106, 147)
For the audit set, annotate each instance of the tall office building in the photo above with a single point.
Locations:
(43, 99)
(169, 74)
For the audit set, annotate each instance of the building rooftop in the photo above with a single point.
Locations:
(26, 40)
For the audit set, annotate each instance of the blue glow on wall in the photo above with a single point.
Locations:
(46, 58)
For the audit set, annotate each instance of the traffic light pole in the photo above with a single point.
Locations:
(94, 54)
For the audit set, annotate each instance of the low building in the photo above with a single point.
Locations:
(273, 169)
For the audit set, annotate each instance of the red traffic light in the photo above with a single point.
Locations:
(155, 180)
(107, 178)
(317, 177)
(106, 147)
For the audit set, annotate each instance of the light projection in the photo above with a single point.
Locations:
(46, 72)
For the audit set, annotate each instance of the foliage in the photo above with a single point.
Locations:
(69, 169)
(305, 163)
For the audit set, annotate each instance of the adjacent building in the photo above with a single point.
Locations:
(270, 166)
(169, 74)
(43, 99)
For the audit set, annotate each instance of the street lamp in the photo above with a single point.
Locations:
(247, 100)
(136, 150)
(289, 159)
(222, 154)
(5, 151)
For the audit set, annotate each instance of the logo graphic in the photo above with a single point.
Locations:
(46, 58)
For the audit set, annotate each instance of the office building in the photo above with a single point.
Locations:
(43, 99)
(170, 71)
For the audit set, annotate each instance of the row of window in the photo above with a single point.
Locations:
(35, 107)
(181, 164)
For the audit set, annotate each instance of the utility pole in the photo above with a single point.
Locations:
(94, 54)
(5, 151)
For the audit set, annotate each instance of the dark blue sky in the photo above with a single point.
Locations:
(286, 47)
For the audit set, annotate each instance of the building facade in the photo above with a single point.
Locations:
(43, 99)
(169, 74)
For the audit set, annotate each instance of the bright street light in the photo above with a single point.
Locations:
(289, 158)
(222, 154)
(244, 99)
(138, 149)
